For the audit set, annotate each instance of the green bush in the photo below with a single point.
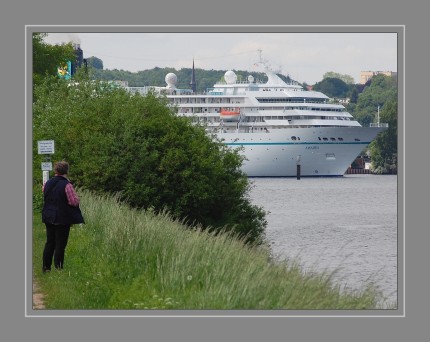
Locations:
(37, 198)
(137, 146)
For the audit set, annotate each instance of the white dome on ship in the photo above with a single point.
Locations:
(250, 78)
(230, 77)
(171, 80)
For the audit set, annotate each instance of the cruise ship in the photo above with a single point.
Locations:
(281, 129)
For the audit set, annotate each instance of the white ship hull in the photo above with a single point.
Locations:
(276, 155)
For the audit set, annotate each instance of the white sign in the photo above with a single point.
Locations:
(45, 147)
(47, 166)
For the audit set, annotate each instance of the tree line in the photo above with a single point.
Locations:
(205, 79)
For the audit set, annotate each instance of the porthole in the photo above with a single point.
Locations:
(293, 138)
(333, 139)
(356, 139)
(325, 139)
(340, 139)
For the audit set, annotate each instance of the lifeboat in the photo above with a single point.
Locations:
(230, 114)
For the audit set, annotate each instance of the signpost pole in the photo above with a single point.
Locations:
(45, 176)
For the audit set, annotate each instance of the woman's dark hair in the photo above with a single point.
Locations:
(61, 167)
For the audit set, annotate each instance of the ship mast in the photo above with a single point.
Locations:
(259, 54)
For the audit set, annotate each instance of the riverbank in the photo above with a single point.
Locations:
(129, 259)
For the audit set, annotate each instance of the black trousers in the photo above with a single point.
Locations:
(56, 242)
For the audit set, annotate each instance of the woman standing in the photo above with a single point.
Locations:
(59, 198)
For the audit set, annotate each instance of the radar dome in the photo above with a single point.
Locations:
(250, 78)
(230, 77)
(171, 79)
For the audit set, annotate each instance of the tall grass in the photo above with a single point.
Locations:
(124, 258)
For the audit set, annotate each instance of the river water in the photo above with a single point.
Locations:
(344, 224)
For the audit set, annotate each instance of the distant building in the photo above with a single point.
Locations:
(123, 84)
(367, 75)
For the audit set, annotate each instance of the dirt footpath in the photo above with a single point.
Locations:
(37, 297)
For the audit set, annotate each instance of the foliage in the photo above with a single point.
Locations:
(94, 62)
(381, 89)
(332, 87)
(354, 95)
(47, 58)
(136, 145)
(132, 259)
(37, 197)
(383, 149)
(345, 78)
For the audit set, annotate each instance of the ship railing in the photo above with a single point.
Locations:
(241, 82)
(378, 124)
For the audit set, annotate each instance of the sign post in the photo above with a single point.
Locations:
(45, 176)
(46, 147)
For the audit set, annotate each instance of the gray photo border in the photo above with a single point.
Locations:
(400, 311)
(15, 326)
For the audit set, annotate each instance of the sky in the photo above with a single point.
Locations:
(305, 57)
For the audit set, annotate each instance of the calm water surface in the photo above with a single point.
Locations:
(348, 224)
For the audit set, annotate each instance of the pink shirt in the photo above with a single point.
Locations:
(72, 196)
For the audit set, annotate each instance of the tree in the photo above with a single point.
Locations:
(47, 58)
(383, 150)
(332, 87)
(354, 95)
(95, 63)
(138, 147)
(346, 78)
(380, 89)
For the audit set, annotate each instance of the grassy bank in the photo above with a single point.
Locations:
(129, 259)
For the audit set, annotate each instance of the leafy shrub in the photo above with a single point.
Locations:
(136, 145)
(37, 198)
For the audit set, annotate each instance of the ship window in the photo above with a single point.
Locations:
(298, 138)
(325, 139)
(357, 139)
(293, 138)
(319, 138)
(340, 139)
(332, 139)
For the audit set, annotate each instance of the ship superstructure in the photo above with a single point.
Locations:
(278, 125)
